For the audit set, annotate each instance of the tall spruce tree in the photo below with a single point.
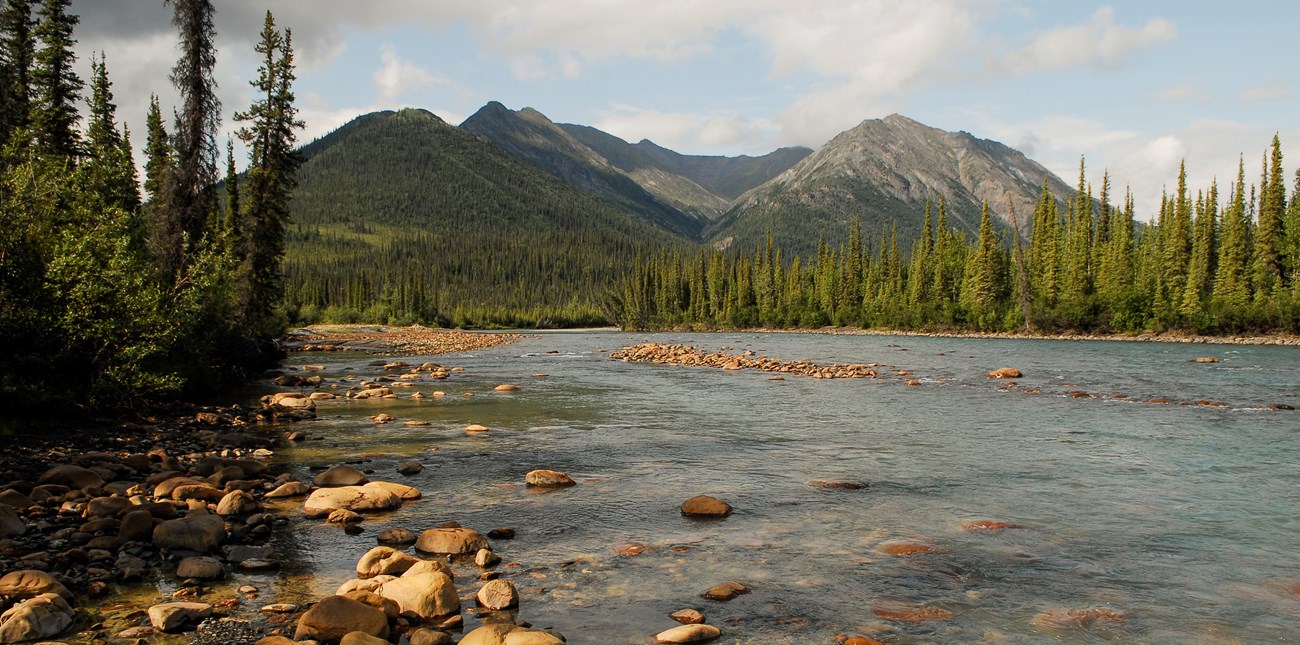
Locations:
(191, 199)
(157, 151)
(1044, 251)
(1200, 270)
(272, 172)
(17, 53)
(56, 88)
(1268, 268)
(982, 282)
(1232, 274)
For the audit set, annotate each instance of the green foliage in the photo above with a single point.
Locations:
(403, 216)
(1096, 271)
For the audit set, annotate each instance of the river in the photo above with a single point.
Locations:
(1181, 517)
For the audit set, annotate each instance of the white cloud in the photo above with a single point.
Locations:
(397, 76)
(1100, 42)
(1184, 93)
(686, 132)
(1265, 93)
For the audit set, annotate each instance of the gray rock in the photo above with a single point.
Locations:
(200, 533)
(200, 567)
(341, 475)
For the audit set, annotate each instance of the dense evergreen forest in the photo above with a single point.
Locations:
(106, 297)
(402, 218)
(1206, 263)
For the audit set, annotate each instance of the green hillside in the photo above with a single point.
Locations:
(400, 216)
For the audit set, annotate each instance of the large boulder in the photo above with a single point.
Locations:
(173, 616)
(341, 475)
(423, 591)
(196, 532)
(401, 490)
(71, 476)
(30, 583)
(335, 617)
(525, 636)
(452, 541)
(370, 497)
(15, 499)
(383, 560)
(10, 523)
(36, 618)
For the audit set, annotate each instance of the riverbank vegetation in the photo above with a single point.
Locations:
(107, 294)
(1216, 262)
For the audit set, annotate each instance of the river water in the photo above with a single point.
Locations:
(1182, 517)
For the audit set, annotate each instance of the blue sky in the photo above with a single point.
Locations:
(1133, 87)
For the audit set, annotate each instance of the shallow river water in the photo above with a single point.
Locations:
(1184, 518)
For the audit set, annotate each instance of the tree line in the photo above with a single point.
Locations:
(108, 294)
(1204, 263)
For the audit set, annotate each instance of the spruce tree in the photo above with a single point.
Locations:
(982, 281)
(1232, 274)
(56, 88)
(1200, 270)
(191, 200)
(1044, 251)
(157, 151)
(231, 223)
(17, 54)
(1268, 232)
(272, 171)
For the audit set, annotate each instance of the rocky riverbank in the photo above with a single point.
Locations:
(408, 341)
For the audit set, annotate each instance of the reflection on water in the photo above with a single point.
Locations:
(1181, 517)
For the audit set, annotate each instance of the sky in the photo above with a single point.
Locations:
(1132, 88)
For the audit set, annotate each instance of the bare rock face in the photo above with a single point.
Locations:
(885, 169)
(452, 541)
(705, 506)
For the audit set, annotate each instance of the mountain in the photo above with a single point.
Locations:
(402, 210)
(529, 136)
(722, 178)
(883, 171)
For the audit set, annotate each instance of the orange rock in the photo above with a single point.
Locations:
(1079, 618)
(986, 525)
(1005, 372)
(898, 610)
(475, 429)
(506, 387)
(903, 548)
(861, 640)
(634, 548)
(1158, 401)
(705, 506)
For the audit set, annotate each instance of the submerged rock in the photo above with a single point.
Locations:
(340, 475)
(1005, 372)
(705, 506)
(725, 591)
(199, 533)
(548, 479)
